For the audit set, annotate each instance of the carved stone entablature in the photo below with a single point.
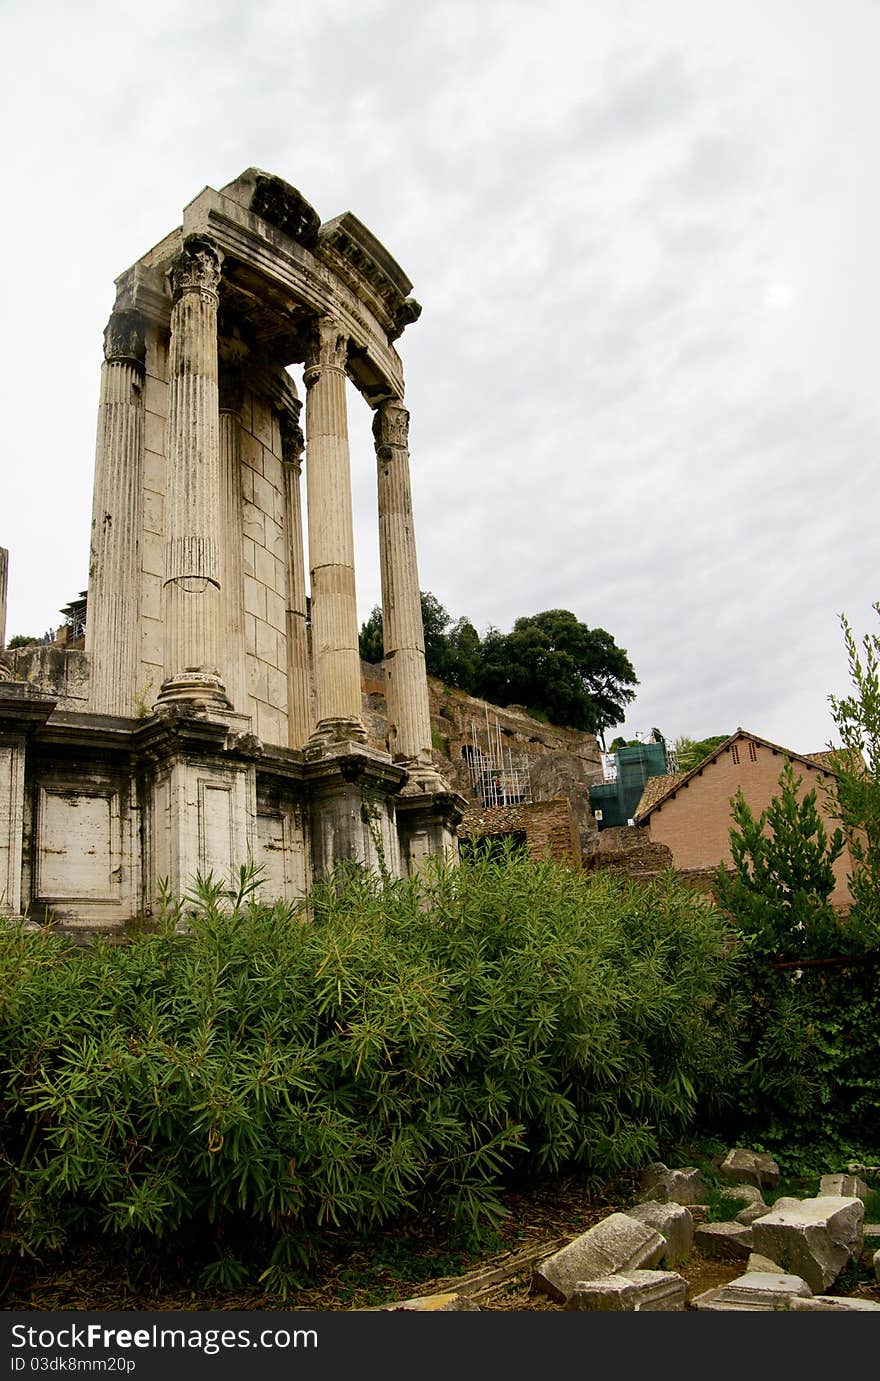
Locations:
(286, 208)
(327, 348)
(390, 426)
(145, 289)
(292, 440)
(409, 311)
(351, 250)
(197, 268)
(124, 338)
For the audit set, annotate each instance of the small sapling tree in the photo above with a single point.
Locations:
(779, 892)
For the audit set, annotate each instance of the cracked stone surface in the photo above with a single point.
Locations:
(814, 1237)
(615, 1245)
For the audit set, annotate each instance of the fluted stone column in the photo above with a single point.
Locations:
(113, 624)
(331, 539)
(233, 661)
(193, 517)
(406, 685)
(4, 574)
(299, 709)
(12, 796)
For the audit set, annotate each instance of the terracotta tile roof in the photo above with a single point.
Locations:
(827, 758)
(656, 788)
(830, 759)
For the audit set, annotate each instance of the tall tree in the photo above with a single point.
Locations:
(370, 637)
(553, 663)
(452, 650)
(857, 791)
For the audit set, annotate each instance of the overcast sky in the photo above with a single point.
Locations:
(645, 235)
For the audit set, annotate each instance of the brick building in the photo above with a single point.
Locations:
(690, 812)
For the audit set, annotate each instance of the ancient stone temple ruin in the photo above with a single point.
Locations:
(215, 712)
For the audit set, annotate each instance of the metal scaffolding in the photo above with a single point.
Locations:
(498, 778)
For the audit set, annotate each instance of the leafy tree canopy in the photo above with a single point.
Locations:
(691, 751)
(550, 663)
(20, 640)
(857, 791)
(452, 648)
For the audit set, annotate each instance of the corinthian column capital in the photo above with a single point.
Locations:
(197, 269)
(391, 426)
(124, 338)
(327, 348)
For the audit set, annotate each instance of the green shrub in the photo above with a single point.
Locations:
(811, 1072)
(384, 1048)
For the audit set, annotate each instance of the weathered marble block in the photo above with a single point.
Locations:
(814, 1237)
(756, 1290)
(684, 1186)
(674, 1224)
(723, 1241)
(833, 1304)
(617, 1244)
(432, 1304)
(843, 1186)
(634, 1292)
(742, 1166)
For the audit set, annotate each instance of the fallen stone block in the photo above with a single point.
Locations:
(764, 1291)
(685, 1186)
(843, 1186)
(871, 1230)
(876, 1263)
(747, 1216)
(757, 1262)
(429, 1304)
(723, 1241)
(673, 1222)
(834, 1304)
(746, 1193)
(652, 1173)
(742, 1166)
(751, 1197)
(699, 1213)
(813, 1237)
(616, 1245)
(635, 1292)
(432, 1304)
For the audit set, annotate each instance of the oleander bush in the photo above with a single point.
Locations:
(385, 1048)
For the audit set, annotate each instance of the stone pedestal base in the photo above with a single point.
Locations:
(205, 693)
(352, 809)
(423, 779)
(426, 825)
(21, 713)
(331, 733)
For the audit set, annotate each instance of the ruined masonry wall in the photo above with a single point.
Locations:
(549, 828)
